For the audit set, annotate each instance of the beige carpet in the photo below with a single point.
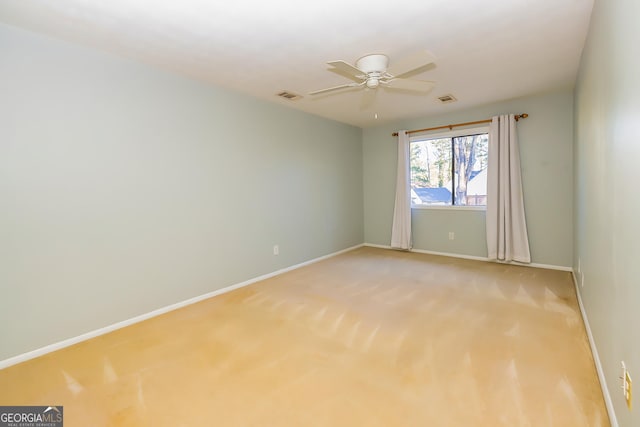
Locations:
(369, 338)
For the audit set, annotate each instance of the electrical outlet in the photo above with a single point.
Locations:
(276, 250)
(452, 235)
(626, 385)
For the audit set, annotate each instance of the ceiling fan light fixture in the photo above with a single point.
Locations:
(373, 83)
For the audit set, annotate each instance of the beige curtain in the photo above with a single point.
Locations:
(507, 238)
(401, 228)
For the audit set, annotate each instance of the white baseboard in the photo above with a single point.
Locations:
(594, 350)
(477, 258)
(95, 333)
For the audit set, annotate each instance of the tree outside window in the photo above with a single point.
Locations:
(450, 171)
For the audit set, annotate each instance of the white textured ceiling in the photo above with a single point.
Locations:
(486, 50)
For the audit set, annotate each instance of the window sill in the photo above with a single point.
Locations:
(451, 208)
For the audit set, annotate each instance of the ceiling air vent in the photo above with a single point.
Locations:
(288, 95)
(446, 99)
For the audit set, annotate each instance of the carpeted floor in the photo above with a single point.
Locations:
(371, 337)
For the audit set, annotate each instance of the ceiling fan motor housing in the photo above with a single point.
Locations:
(374, 66)
(373, 63)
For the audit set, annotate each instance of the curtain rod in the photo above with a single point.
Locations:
(518, 117)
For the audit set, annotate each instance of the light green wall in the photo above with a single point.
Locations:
(124, 188)
(546, 155)
(607, 224)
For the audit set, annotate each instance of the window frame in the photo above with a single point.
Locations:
(448, 134)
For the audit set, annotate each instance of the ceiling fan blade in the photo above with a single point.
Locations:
(423, 86)
(329, 89)
(368, 98)
(411, 63)
(347, 68)
(346, 75)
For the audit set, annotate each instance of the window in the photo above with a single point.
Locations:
(450, 170)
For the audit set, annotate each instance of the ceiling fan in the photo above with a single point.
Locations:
(373, 71)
